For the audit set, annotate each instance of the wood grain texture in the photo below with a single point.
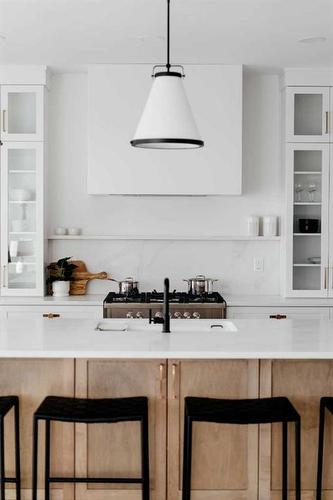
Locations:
(114, 449)
(32, 380)
(303, 382)
(225, 457)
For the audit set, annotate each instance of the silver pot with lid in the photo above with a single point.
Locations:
(127, 286)
(200, 284)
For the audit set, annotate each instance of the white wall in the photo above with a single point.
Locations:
(150, 262)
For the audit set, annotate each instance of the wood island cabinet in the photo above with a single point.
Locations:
(32, 380)
(114, 449)
(229, 462)
(303, 382)
(224, 457)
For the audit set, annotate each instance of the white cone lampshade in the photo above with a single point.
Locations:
(167, 121)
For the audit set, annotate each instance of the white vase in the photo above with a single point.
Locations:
(60, 288)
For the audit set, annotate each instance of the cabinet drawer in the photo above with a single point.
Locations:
(278, 312)
(84, 312)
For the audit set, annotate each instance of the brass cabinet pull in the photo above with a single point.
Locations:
(51, 315)
(278, 316)
(161, 380)
(4, 120)
(173, 374)
(327, 128)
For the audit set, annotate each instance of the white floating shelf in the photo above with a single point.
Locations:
(306, 265)
(22, 232)
(22, 171)
(307, 234)
(308, 203)
(15, 202)
(153, 237)
(304, 172)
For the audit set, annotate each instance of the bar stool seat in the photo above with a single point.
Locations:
(90, 411)
(6, 404)
(243, 412)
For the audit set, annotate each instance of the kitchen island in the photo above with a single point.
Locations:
(245, 358)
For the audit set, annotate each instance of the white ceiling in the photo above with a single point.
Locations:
(253, 32)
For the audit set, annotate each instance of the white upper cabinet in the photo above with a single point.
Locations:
(21, 204)
(22, 113)
(308, 114)
(117, 95)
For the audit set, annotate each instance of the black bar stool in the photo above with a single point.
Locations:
(6, 404)
(326, 402)
(90, 411)
(243, 411)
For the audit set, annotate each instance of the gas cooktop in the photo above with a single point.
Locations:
(157, 297)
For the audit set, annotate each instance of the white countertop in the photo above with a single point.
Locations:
(232, 301)
(254, 339)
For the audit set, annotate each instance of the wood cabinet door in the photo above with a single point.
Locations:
(114, 449)
(32, 380)
(303, 382)
(224, 457)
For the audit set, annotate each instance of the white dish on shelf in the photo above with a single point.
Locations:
(20, 194)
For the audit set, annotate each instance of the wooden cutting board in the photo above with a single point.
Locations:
(81, 277)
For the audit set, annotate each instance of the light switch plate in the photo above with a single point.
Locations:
(258, 264)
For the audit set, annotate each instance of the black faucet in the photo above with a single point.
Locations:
(165, 320)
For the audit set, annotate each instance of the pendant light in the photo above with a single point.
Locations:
(167, 121)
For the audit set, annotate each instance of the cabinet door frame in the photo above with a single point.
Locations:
(39, 110)
(175, 431)
(330, 256)
(39, 207)
(290, 148)
(325, 136)
(159, 452)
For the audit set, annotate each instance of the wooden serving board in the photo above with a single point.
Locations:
(81, 277)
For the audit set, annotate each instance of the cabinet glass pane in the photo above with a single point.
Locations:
(21, 113)
(307, 216)
(21, 218)
(308, 114)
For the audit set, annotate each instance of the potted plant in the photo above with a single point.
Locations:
(60, 274)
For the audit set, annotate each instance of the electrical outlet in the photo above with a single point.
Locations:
(258, 264)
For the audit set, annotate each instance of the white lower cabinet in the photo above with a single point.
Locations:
(52, 312)
(279, 312)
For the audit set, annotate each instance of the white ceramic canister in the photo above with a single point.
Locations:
(60, 288)
(253, 225)
(270, 225)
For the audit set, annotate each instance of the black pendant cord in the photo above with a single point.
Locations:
(168, 65)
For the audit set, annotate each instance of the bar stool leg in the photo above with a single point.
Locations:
(284, 460)
(145, 458)
(2, 460)
(17, 452)
(320, 450)
(34, 458)
(187, 459)
(47, 460)
(298, 460)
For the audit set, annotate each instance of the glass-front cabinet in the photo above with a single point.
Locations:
(22, 218)
(307, 219)
(22, 112)
(308, 114)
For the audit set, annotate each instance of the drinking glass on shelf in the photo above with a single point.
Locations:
(312, 188)
(299, 188)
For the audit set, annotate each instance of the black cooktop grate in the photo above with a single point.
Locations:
(157, 297)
